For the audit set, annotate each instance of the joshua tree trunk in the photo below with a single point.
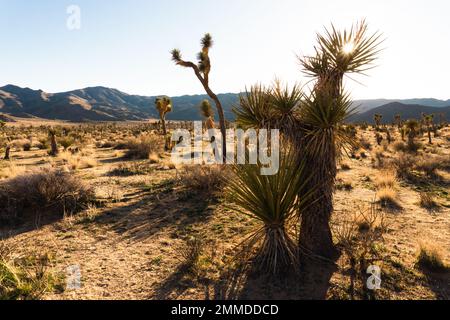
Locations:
(7, 150)
(219, 108)
(411, 136)
(54, 145)
(429, 135)
(315, 232)
(164, 129)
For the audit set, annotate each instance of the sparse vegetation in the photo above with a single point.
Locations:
(42, 193)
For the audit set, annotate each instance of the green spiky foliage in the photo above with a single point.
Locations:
(273, 201)
(164, 106)
(202, 70)
(268, 107)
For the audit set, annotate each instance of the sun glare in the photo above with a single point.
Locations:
(348, 47)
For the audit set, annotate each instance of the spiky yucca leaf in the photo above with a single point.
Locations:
(176, 55)
(207, 41)
(324, 115)
(285, 101)
(351, 51)
(255, 108)
(272, 200)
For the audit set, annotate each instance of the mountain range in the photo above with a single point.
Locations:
(106, 104)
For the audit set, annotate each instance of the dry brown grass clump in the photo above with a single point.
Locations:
(43, 192)
(427, 201)
(143, 146)
(204, 178)
(403, 165)
(400, 146)
(26, 277)
(430, 257)
(386, 179)
(388, 198)
(429, 166)
(78, 161)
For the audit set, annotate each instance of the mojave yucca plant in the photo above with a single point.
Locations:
(273, 201)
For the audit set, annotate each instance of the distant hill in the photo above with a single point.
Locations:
(366, 105)
(106, 104)
(99, 104)
(388, 111)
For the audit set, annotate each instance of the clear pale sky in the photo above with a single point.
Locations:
(126, 44)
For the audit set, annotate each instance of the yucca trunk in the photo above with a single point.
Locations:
(54, 145)
(429, 135)
(7, 150)
(315, 232)
(411, 136)
(164, 129)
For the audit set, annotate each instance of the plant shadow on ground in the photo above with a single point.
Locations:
(29, 222)
(236, 282)
(438, 282)
(161, 209)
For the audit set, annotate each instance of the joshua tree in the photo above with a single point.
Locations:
(322, 114)
(207, 113)
(398, 120)
(411, 127)
(429, 123)
(388, 136)
(164, 106)
(7, 147)
(202, 70)
(379, 138)
(314, 123)
(377, 118)
(53, 144)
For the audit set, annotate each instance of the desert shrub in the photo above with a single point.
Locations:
(43, 144)
(403, 165)
(26, 277)
(430, 257)
(427, 201)
(429, 166)
(365, 144)
(210, 179)
(413, 147)
(388, 198)
(66, 142)
(358, 234)
(143, 146)
(43, 192)
(26, 146)
(77, 161)
(378, 159)
(343, 185)
(190, 255)
(387, 179)
(400, 146)
(131, 169)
